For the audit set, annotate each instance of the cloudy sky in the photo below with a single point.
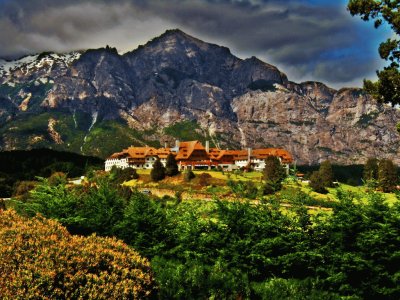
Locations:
(306, 39)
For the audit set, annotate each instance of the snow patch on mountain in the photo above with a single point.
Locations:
(35, 62)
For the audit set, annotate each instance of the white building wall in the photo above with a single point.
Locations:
(259, 164)
(241, 163)
(149, 162)
(119, 163)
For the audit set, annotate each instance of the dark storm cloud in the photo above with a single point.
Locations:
(305, 39)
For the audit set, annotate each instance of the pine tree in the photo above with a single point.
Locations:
(171, 167)
(317, 184)
(326, 173)
(371, 169)
(274, 174)
(322, 178)
(387, 175)
(158, 171)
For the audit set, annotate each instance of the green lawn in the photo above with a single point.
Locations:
(255, 176)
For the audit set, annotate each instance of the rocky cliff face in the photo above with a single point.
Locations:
(346, 126)
(99, 101)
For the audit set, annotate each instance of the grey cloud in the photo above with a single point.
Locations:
(293, 33)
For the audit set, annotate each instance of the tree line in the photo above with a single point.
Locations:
(26, 165)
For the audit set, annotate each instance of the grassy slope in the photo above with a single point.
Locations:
(219, 188)
(29, 130)
(106, 137)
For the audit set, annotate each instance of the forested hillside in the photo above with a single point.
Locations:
(26, 165)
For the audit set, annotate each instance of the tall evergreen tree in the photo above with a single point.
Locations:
(322, 178)
(326, 173)
(371, 169)
(171, 167)
(158, 171)
(317, 184)
(387, 175)
(274, 174)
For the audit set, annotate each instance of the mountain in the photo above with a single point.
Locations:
(178, 87)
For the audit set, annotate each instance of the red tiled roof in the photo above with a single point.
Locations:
(186, 149)
(164, 152)
(141, 152)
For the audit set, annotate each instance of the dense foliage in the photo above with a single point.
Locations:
(39, 259)
(383, 11)
(119, 175)
(26, 165)
(247, 250)
(351, 174)
(381, 174)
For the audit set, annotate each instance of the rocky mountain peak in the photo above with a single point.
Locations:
(177, 86)
(175, 39)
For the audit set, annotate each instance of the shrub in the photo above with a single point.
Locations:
(39, 259)
(22, 188)
(82, 209)
(188, 175)
(122, 175)
(291, 289)
(57, 178)
(204, 179)
(143, 225)
(245, 189)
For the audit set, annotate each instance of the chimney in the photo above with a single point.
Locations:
(165, 145)
(177, 144)
(249, 155)
(207, 146)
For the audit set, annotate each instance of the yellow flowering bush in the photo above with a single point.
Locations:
(39, 259)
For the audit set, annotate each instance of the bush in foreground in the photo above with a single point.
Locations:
(40, 259)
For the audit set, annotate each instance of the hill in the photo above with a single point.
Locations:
(25, 165)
